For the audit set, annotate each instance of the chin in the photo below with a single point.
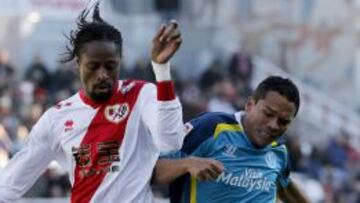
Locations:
(101, 97)
(261, 144)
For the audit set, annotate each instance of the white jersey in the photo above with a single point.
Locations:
(108, 149)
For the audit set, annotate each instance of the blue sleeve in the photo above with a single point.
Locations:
(204, 149)
(197, 131)
(284, 177)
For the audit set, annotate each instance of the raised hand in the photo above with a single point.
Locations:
(166, 42)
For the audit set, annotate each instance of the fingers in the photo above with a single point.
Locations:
(171, 32)
(160, 32)
(212, 169)
(207, 174)
(217, 166)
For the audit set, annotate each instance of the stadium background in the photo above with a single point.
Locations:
(229, 46)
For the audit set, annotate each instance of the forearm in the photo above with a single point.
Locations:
(167, 170)
(170, 123)
(21, 173)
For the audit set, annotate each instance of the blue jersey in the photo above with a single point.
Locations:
(251, 175)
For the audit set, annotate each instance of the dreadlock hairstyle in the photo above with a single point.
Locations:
(88, 31)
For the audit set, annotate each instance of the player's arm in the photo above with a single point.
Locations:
(28, 164)
(292, 194)
(167, 170)
(163, 115)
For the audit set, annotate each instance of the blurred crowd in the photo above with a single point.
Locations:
(336, 165)
(223, 86)
(291, 34)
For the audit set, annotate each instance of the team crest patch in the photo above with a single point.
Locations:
(117, 113)
(188, 127)
(271, 159)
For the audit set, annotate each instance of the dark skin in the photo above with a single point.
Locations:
(99, 61)
(265, 121)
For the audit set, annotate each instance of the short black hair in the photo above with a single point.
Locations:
(283, 86)
(88, 31)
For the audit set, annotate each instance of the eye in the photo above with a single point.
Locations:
(283, 122)
(91, 66)
(267, 113)
(111, 66)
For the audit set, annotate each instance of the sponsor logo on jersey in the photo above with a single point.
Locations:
(117, 113)
(250, 179)
(271, 159)
(107, 158)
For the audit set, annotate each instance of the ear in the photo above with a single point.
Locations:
(77, 65)
(250, 103)
(77, 61)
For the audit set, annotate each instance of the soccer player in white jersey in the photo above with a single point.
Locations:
(109, 135)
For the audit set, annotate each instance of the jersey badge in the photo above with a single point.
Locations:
(187, 128)
(117, 113)
(271, 159)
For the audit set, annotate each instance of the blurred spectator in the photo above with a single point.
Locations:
(142, 71)
(38, 74)
(315, 163)
(241, 67)
(337, 153)
(224, 96)
(21, 137)
(64, 78)
(192, 100)
(240, 71)
(7, 71)
(5, 146)
(211, 77)
(295, 154)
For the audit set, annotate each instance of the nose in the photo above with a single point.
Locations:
(102, 73)
(273, 124)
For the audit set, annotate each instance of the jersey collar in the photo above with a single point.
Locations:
(94, 104)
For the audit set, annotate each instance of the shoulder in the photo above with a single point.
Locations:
(280, 149)
(66, 103)
(132, 82)
(213, 118)
(70, 105)
(279, 145)
(137, 87)
(204, 127)
(206, 123)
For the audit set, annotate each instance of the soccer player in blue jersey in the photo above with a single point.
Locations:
(237, 158)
